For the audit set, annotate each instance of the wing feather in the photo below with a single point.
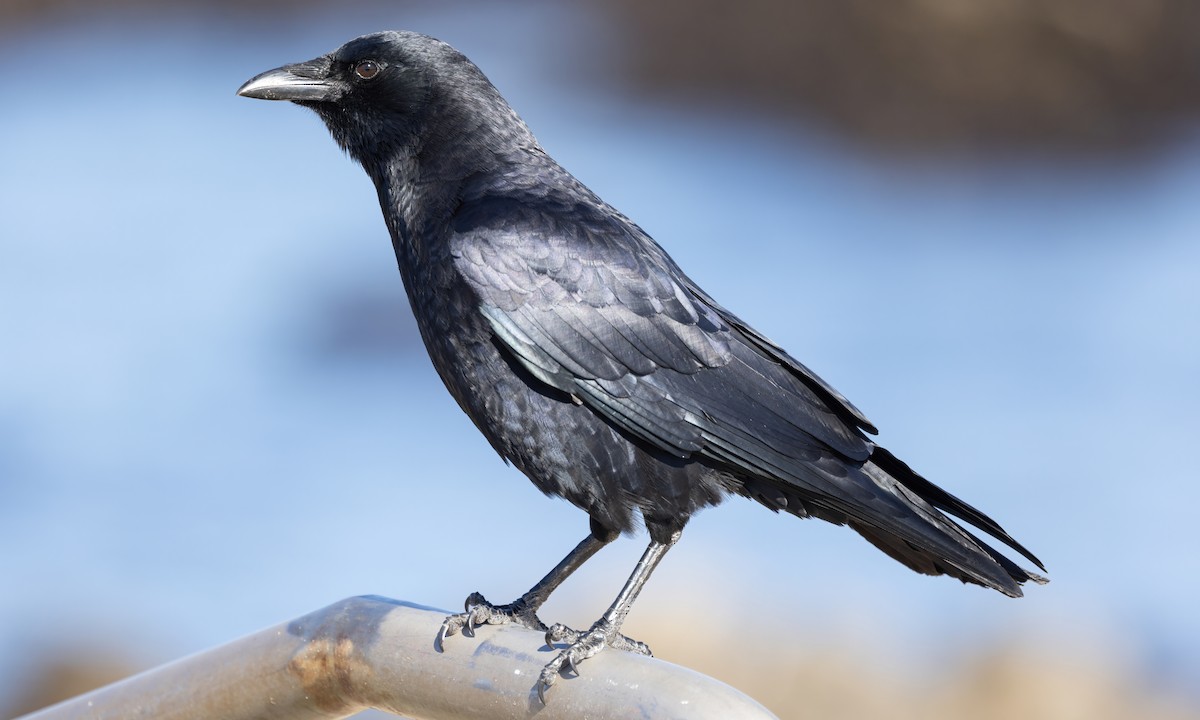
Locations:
(586, 308)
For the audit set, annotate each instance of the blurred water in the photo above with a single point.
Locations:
(193, 447)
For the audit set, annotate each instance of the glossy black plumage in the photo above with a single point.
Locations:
(581, 351)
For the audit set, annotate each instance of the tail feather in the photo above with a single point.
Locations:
(971, 559)
(946, 502)
(921, 560)
(902, 514)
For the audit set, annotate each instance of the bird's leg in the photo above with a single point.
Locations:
(607, 630)
(523, 610)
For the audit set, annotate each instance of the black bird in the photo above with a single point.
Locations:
(587, 357)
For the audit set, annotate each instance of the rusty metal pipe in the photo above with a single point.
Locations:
(372, 652)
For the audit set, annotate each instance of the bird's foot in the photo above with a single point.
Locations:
(581, 646)
(478, 611)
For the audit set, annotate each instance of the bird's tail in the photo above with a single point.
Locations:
(943, 547)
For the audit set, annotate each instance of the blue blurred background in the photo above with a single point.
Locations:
(215, 413)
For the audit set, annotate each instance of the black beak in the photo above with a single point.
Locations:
(302, 82)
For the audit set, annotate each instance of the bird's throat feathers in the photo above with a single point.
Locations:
(420, 184)
(396, 183)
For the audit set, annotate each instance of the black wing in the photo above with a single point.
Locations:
(590, 305)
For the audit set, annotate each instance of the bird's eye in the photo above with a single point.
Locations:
(367, 69)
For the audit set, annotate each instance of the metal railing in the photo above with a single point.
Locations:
(372, 652)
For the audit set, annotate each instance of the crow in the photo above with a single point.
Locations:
(588, 358)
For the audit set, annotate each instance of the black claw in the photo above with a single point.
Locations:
(470, 623)
(570, 663)
(541, 686)
(441, 636)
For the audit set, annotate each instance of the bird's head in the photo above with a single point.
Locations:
(394, 92)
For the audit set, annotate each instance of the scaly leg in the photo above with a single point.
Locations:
(523, 610)
(607, 630)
